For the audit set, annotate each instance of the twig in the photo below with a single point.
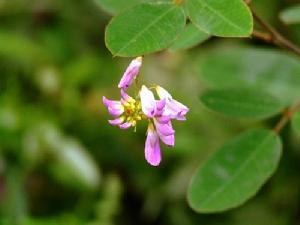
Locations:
(274, 36)
(263, 36)
(286, 116)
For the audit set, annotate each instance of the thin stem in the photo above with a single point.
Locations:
(136, 88)
(274, 36)
(263, 36)
(286, 116)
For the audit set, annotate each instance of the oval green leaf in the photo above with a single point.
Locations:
(116, 6)
(267, 70)
(242, 103)
(143, 29)
(235, 172)
(190, 37)
(291, 15)
(227, 18)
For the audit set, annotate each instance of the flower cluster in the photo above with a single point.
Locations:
(158, 112)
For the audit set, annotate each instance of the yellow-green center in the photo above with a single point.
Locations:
(133, 111)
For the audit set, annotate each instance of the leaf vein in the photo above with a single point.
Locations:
(239, 171)
(145, 29)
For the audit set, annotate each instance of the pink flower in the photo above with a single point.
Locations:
(163, 127)
(130, 73)
(159, 113)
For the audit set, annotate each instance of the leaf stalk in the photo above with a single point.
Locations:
(286, 116)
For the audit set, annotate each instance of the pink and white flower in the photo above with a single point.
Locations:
(159, 113)
(155, 108)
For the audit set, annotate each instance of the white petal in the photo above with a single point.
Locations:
(137, 62)
(148, 102)
(162, 93)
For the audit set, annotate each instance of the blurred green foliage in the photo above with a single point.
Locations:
(60, 161)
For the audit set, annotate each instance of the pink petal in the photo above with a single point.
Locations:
(179, 106)
(163, 119)
(168, 140)
(125, 125)
(125, 96)
(115, 108)
(165, 132)
(152, 147)
(181, 118)
(106, 101)
(160, 105)
(177, 109)
(164, 128)
(115, 111)
(130, 73)
(173, 108)
(117, 121)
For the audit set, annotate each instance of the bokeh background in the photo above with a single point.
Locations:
(62, 163)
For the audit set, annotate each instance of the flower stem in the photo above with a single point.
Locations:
(286, 116)
(136, 87)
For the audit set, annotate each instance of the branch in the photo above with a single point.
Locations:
(273, 36)
(286, 116)
(263, 36)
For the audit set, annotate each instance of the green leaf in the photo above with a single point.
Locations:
(190, 37)
(235, 172)
(267, 70)
(116, 6)
(143, 29)
(296, 122)
(242, 103)
(227, 18)
(291, 15)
